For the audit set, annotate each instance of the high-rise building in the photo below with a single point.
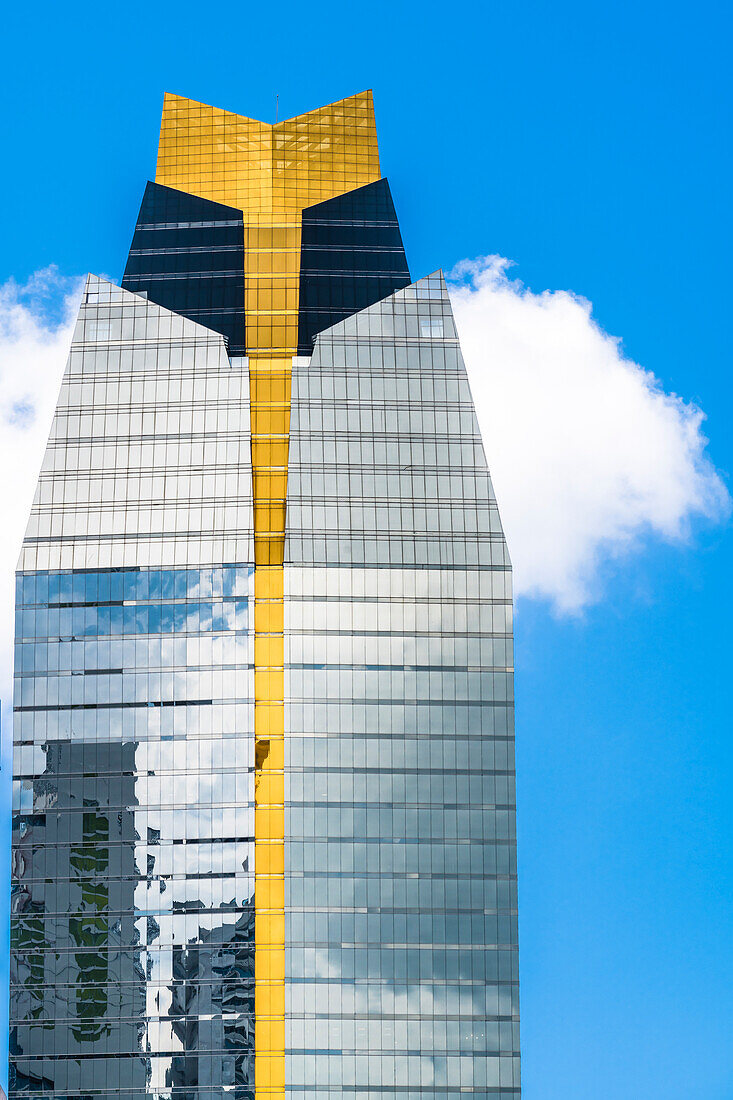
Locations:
(264, 826)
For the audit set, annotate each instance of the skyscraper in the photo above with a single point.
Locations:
(264, 827)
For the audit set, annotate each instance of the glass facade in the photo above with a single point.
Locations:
(351, 256)
(401, 967)
(263, 820)
(187, 254)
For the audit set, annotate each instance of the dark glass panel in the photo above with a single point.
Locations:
(187, 254)
(351, 257)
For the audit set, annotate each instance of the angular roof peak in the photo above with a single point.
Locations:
(267, 168)
(359, 101)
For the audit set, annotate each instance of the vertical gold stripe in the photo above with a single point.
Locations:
(270, 412)
(271, 173)
(272, 263)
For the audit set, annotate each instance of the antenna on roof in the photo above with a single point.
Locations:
(277, 104)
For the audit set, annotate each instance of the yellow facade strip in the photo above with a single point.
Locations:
(270, 427)
(271, 173)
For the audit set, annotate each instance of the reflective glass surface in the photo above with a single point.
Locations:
(132, 896)
(351, 256)
(132, 965)
(263, 816)
(187, 254)
(401, 920)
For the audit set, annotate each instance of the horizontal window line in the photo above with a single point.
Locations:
(119, 706)
(144, 227)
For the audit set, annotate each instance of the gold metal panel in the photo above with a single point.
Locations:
(263, 168)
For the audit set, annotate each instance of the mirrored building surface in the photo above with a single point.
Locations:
(264, 817)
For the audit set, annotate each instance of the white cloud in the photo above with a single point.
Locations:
(587, 452)
(36, 323)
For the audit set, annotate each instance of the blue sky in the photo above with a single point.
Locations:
(589, 144)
